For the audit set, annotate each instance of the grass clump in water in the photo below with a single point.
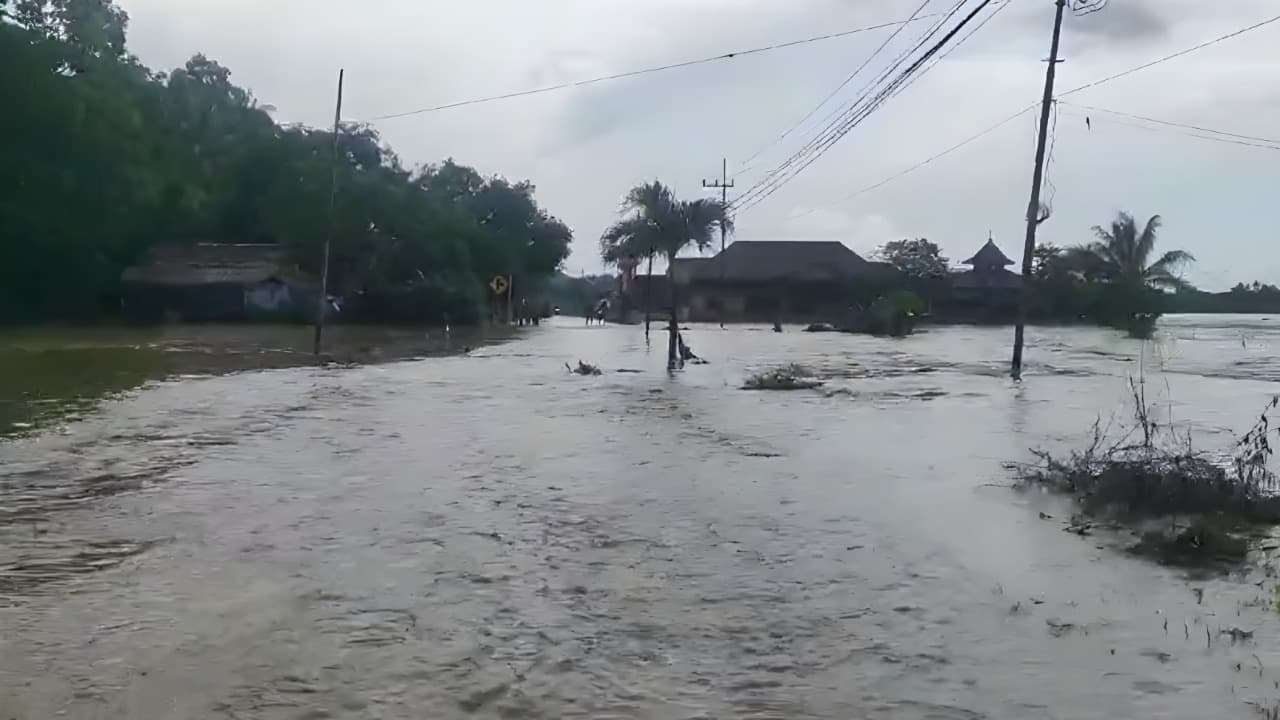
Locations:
(1188, 507)
(787, 377)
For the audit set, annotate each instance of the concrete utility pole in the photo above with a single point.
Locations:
(1033, 207)
(322, 304)
(723, 185)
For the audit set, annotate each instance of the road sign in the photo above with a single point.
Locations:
(498, 284)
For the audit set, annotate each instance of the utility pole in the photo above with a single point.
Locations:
(723, 185)
(322, 304)
(1033, 207)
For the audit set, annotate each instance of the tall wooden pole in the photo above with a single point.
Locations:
(723, 184)
(322, 304)
(1033, 207)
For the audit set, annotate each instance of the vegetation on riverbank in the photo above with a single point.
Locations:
(110, 159)
(1188, 506)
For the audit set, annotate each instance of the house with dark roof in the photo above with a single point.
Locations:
(211, 282)
(767, 281)
(988, 291)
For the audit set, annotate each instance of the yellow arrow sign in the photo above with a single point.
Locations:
(498, 285)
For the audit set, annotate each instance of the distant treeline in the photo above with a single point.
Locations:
(105, 158)
(1246, 299)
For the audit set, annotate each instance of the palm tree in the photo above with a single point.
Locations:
(1121, 255)
(1121, 258)
(656, 223)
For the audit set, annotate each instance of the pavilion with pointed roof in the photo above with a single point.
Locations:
(989, 290)
(989, 257)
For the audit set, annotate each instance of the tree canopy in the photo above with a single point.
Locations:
(1122, 255)
(115, 159)
(917, 258)
(655, 221)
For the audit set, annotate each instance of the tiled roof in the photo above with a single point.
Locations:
(989, 256)
(772, 260)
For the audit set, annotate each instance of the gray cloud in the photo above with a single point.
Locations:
(1123, 21)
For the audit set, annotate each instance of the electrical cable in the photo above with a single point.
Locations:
(645, 71)
(1173, 127)
(1081, 88)
(839, 119)
(860, 113)
(1167, 58)
(1170, 123)
(813, 111)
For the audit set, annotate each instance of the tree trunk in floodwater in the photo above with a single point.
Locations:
(674, 360)
(648, 295)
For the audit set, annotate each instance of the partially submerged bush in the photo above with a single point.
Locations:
(787, 377)
(1151, 473)
(1142, 325)
(894, 315)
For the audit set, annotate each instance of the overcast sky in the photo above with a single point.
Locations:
(584, 147)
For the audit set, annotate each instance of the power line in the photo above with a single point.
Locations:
(645, 71)
(1172, 127)
(958, 44)
(968, 141)
(813, 111)
(1018, 114)
(1167, 58)
(836, 122)
(860, 112)
(1171, 123)
(839, 115)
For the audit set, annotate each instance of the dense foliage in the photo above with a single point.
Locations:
(107, 159)
(917, 258)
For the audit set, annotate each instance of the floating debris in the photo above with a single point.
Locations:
(787, 377)
(583, 369)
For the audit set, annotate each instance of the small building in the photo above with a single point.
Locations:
(767, 281)
(212, 283)
(988, 291)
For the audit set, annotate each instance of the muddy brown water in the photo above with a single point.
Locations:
(489, 536)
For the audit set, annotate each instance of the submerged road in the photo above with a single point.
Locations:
(492, 537)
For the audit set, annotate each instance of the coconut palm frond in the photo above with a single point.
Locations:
(634, 236)
(701, 219)
(1146, 240)
(1171, 261)
(652, 199)
(1166, 281)
(1122, 252)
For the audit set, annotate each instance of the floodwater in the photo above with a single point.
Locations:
(490, 536)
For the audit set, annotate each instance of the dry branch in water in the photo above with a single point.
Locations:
(1150, 472)
(583, 369)
(787, 377)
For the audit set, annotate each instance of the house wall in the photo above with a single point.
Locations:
(217, 302)
(769, 302)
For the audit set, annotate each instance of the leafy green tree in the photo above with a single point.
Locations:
(1047, 261)
(657, 222)
(110, 159)
(917, 258)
